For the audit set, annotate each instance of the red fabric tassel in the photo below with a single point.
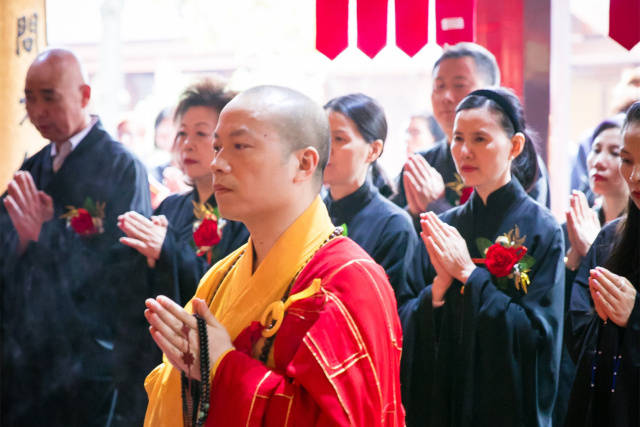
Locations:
(412, 19)
(624, 22)
(332, 27)
(455, 21)
(372, 26)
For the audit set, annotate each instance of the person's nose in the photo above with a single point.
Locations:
(447, 95)
(635, 173)
(465, 151)
(599, 162)
(187, 143)
(219, 163)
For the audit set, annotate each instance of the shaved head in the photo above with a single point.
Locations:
(57, 94)
(299, 121)
(62, 61)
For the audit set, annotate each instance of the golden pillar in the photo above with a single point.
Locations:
(23, 35)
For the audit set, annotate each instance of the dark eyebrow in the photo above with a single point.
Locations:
(47, 91)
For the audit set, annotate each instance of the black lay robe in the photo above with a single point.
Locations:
(488, 357)
(176, 274)
(599, 397)
(440, 158)
(380, 228)
(567, 367)
(57, 319)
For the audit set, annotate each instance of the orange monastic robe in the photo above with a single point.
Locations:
(336, 356)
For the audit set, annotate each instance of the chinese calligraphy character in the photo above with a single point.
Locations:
(27, 35)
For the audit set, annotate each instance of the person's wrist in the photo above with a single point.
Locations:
(438, 290)
(465, 273)
(572, 260)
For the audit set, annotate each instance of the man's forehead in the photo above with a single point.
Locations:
(44, 75)
(461, 67)
(245, 118)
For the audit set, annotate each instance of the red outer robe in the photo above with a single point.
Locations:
(336, 355)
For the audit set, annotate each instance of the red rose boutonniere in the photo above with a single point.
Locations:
(87, 220)
(507, 259)
(207, 229)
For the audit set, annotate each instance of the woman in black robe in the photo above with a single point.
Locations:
(358, 130)
(584, 223)
(481, 343)
(175, 247)
(604, 312)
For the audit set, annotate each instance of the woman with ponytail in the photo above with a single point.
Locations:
(358, 131)
(482, 338)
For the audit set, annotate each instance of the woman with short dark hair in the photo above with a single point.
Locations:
(173, 249)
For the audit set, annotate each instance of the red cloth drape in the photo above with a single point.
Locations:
(332, 26)
(412, 18)
(372, 26)
(499, 28)
(455, 21)
(624, 22)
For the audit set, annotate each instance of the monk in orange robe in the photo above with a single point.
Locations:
(301, 323)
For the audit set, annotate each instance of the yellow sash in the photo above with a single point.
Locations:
(241, 299)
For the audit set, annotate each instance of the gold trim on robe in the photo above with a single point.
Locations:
(241, 299)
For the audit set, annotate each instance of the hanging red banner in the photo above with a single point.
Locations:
(455, 21)
(624, 22)
(412, 19)
(372, 26)
(332, 27)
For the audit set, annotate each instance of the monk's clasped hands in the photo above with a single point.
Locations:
(175, 331)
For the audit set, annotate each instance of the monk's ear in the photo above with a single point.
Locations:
(307, 158)
(85, 94)
(375, 150)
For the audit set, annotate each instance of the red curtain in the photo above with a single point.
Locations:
(500, 29)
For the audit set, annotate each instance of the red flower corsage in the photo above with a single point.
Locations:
(87, 220)
(507, 259)
(207, 229)
(462, 192)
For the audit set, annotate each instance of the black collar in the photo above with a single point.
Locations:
(501, 198)
(211, 200)
(343, 210)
